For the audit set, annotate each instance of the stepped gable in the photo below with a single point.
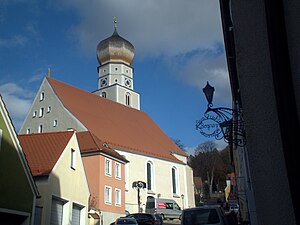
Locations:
(121, 127)
(42, 150)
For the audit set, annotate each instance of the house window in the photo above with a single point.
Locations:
(150, 176)
(49, 109)
(34, 114)
(118, 171)
(127, 98)
(107, 195)
(73, 159)
(55, 123)
(117, 197)
(174, 180)
(41, 114)
(41, 128)
(42, 96)
(107, 167)
(103, 94)
(76, 214)
(38, 215)
(28, 131)
(57, 211)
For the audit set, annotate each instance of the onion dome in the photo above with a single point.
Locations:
(115, 49)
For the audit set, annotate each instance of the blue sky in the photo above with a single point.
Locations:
(178, 47)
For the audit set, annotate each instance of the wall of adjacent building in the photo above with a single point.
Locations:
(67, 184)
(16, 192)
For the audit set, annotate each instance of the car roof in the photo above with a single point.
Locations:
(202, 207)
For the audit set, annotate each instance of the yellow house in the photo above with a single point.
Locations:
(18, 191)
(55, 162)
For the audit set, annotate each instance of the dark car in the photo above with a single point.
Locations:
(124, 220)
(144, 218)
(208, 214)
(159, 218)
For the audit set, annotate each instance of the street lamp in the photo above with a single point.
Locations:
(182, 197)
(221, 122)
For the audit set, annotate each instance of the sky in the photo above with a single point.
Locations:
(178, 44)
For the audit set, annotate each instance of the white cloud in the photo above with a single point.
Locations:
(168, 27)
(15, 41)
(18, 101)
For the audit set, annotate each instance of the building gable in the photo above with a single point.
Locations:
(18, 190)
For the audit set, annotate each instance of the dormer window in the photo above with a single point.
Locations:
(42, 96)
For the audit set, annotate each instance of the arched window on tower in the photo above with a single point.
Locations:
(103, 94)
(127, 99)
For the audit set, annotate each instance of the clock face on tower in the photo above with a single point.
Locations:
(127, 83)
(103, 82)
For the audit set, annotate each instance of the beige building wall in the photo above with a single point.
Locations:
(162, 184)
(67, 184)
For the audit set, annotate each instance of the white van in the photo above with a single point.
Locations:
(168, 208)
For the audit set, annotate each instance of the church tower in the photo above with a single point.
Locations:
(115, 71)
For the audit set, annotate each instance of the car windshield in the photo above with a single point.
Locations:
(125, 221)
(201, 216)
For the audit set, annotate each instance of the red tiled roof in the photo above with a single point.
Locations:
(43, 150)
(89, 143)
(118, 125)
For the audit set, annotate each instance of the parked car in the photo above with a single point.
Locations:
(208, 214)
(168, 208)
(159, 218)
(125, 220)
(144, 218)
(234, 208)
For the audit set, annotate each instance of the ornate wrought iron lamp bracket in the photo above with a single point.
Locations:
(221, 122)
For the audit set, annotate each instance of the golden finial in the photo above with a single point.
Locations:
(115, 22)
(48, 72)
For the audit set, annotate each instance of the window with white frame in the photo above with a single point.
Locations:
(150, 174)
(118, 171)
(107, 195)
(42, 96)
(28, 131)
(174, 180)
(77, 214)
(108, 167)
(55, 123)
(73, 159)
(49, 109)
(34, 114)
(41, 114)
(41, 128)
(118, 197)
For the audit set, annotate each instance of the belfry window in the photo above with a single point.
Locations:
(127, 99)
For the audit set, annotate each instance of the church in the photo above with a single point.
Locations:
(112, 113)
